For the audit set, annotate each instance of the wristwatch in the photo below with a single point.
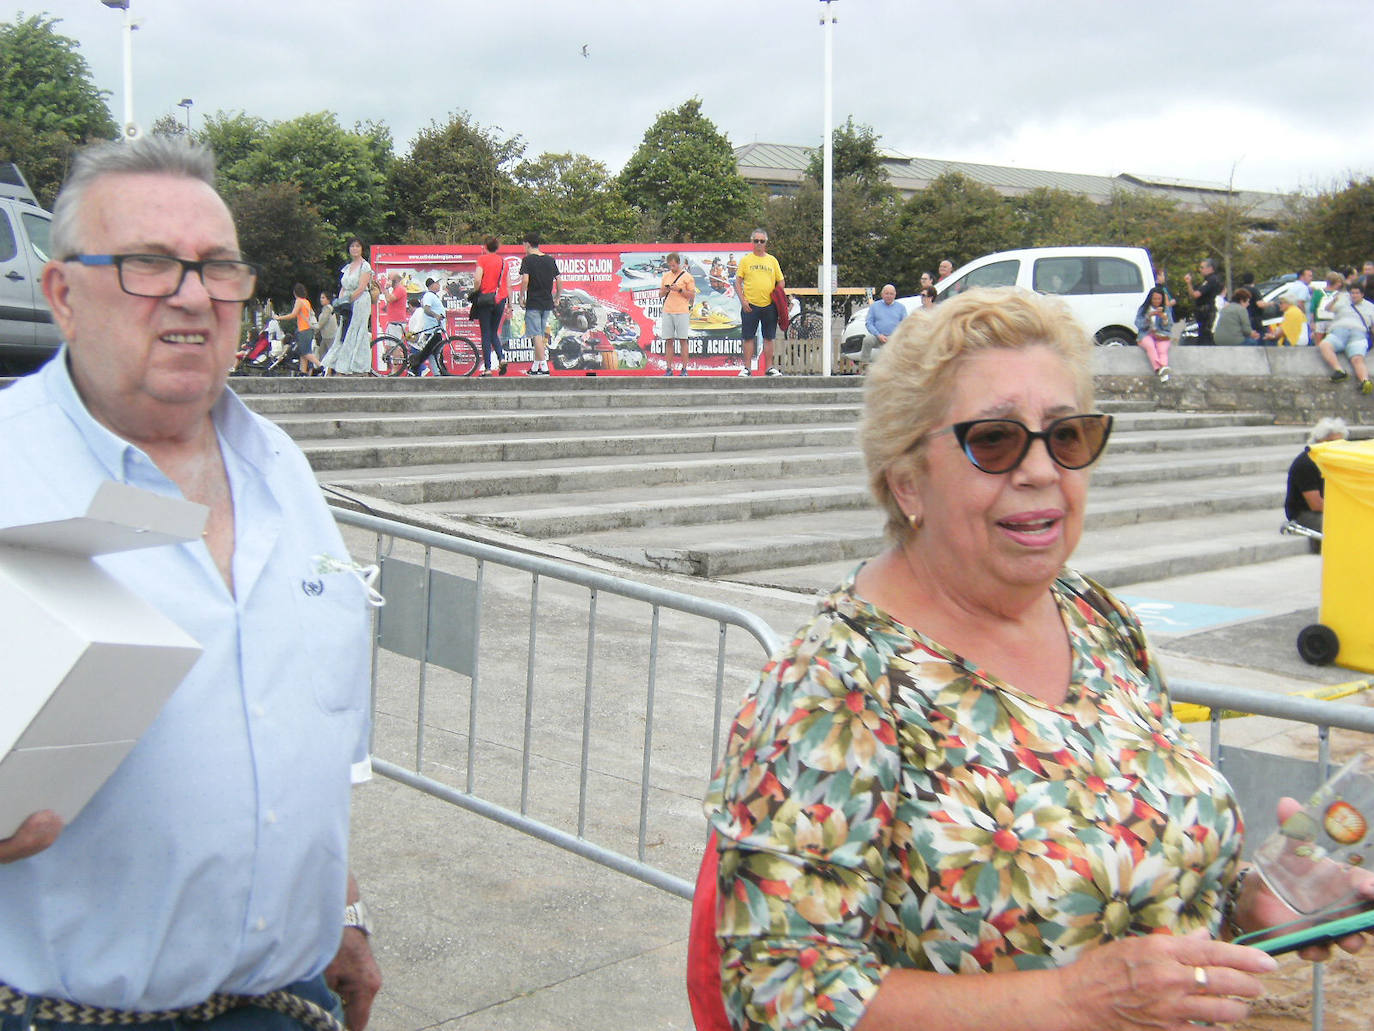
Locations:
(355, 915)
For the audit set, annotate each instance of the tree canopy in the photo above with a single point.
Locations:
(49, 104)
(683, 180)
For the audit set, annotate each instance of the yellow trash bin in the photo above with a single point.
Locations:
(1346, 631)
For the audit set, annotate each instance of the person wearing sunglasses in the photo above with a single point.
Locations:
(756, 277)
(965, 762)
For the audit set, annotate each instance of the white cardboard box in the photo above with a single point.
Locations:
(89, 664)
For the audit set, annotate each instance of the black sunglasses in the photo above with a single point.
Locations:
(758, 241)
(1000, 445)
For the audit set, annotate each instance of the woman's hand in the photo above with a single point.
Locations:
(1258, 907)
(1162, 981)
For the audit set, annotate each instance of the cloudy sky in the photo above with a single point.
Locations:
(1275, 90)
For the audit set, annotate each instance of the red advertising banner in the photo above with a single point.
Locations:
(606, 312)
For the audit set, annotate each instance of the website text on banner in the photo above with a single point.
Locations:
(605, 318)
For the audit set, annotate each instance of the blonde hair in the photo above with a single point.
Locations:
(908, 390)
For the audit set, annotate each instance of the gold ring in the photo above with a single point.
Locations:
(1200, 979)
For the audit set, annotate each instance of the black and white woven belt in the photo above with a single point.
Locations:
(16, 1003)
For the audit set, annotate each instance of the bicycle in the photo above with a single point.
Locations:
(456, 356)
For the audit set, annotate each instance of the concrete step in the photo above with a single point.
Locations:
(793, 535)
(395, 452)
(375, 395)
(334, 426)
(437, 484)
(1116, 556)
(566, 516)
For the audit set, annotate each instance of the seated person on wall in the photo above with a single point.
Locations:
(1352, 318)
(1233, 324)
(884, 316)
(1291, 330)
(1303, 502)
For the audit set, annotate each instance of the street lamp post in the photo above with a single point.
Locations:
(828, 175)
(186, 103)
(130, 129)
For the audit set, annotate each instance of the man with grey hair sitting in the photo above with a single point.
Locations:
(1303, 503)
(207, 880)
(884, 316)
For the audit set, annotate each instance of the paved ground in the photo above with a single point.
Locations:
(480, 926)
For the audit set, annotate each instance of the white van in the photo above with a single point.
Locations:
(28, 336)
(1103, 286)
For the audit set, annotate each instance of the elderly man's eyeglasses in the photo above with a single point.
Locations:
(1000, 445)
(161, 275)
(758, 240)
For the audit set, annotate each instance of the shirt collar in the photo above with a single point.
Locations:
(231, 418)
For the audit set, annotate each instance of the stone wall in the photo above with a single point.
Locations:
(1291, 383)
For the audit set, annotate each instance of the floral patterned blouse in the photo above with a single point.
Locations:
(882, 803)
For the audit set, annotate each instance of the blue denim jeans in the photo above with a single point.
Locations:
(246, 1018)
(489, 321)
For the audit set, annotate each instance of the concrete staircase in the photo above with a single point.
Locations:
(756, 480)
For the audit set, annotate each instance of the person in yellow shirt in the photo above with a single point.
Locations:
(1292, 329)
(758, 273)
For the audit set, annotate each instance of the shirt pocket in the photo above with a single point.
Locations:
(336, 633)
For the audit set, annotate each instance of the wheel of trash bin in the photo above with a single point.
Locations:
(1318, 644)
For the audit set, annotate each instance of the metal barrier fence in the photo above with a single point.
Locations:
(434, 617)
(431, 630)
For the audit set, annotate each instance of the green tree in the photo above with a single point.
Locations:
(233, 137)
(1046, 217)
(452, 184)
(168, 125)
(284, 235)
(864, 209)
(335, 169)
(48, 104)
(683, 180)
(955, 218)
(1343, 226)
(569, 198)
(854, 154)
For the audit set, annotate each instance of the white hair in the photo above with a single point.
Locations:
(1331, 426)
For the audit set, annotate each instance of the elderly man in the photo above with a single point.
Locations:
(945, 270)
(214, 859)
(1304, 502)
(883, 318)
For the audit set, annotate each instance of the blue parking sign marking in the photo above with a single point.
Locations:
(1181, 617)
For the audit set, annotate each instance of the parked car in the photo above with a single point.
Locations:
(28, 336)
(1103, 286)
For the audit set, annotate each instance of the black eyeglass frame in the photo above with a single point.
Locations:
(198, 267)
(961, 431)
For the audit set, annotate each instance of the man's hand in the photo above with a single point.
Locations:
(354, 975)
(34, 835)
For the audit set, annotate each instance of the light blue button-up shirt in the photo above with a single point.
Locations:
(215, 858)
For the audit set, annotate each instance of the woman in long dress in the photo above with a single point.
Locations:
(351, 354)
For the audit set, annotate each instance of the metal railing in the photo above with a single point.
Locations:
(439, 597)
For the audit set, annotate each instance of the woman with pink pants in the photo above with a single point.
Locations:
(1155, 325)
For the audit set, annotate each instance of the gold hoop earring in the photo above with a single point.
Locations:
(914, 521)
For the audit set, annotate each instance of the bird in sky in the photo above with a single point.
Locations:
(584, 51)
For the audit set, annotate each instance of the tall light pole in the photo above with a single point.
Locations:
(130, 129)
(186, 103)
(828, 175)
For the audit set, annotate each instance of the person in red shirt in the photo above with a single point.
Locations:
(490, 306)
(396, 302)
